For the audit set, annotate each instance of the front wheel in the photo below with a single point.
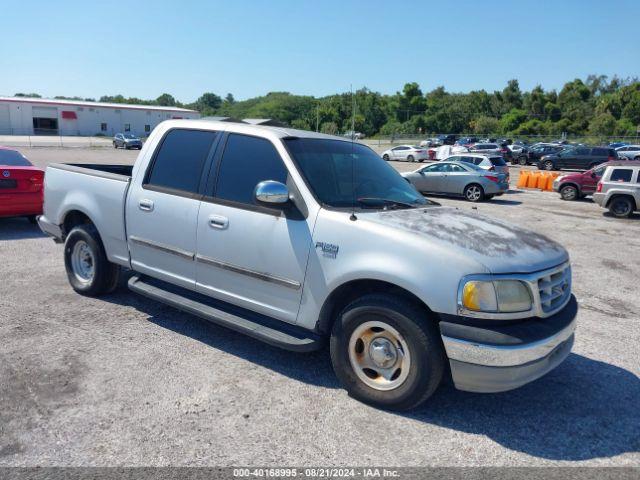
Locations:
(522, 161)
(410, 158)
(88, 270)
(387, 352)
(569, 192)
(474, 193)
(548, 165)
(385, 157)
(621, 207)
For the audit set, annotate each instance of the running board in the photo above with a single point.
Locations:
(269, 330)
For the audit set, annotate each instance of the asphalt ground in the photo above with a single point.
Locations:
(121, 380)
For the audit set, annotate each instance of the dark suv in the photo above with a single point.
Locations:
(534, 154)
(579, 158)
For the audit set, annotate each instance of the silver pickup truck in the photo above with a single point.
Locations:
(298, 238)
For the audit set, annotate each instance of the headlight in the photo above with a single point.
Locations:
(498, 296)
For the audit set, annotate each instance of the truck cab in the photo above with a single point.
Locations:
(301, 239)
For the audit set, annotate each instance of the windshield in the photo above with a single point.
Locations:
(13, 158)
(129, 135)
(340, 173)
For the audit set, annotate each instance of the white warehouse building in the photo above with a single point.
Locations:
(39, 116)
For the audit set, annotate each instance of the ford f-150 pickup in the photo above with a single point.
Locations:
(298, 239)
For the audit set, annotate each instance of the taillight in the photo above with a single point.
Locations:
(492, 178)
(36, 180)
(599, 189)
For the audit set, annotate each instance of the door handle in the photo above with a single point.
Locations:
(218, 221)
(146, 205)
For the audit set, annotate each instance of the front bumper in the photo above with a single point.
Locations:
(499, 358)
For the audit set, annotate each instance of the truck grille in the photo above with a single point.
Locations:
(554, 289)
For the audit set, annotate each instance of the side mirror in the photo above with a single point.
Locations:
(272, 193)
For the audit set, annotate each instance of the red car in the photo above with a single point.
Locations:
(575, 186)
(21, 191)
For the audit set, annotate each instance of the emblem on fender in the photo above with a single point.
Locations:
(328, 249)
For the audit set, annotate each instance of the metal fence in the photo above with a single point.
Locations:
(399, 139)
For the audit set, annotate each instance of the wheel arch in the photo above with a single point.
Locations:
(570, 184)
(74, 217)
(347, 292)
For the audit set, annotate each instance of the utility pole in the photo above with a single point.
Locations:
(317, 116)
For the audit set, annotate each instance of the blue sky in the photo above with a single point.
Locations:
(249, 48)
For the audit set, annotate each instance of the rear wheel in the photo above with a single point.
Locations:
(385, 157)
(621, 207)
(386, 352)
(569, 192)
(410, 158)
(522, 160)
(88, 270)
(474, 192)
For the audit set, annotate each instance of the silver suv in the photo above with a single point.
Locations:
(619, 189)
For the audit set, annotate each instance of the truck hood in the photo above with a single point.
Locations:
(499, 246)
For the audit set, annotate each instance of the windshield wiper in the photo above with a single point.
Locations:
(387, 203)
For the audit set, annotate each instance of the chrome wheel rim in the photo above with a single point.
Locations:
(473, 193)
(548, 166)
(569, 193)
(83, 262)
(379, 355)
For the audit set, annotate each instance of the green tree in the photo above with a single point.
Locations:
(603, 124)
(512, 120)
(166, 100)
(485, 125)
(208, 103)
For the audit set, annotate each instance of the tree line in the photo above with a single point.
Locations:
(594, 106)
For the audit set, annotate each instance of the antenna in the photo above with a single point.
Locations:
(353, 217)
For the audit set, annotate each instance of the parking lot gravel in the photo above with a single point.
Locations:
(121, 380)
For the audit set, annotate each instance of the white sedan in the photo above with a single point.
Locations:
(631, 152)
(409, 153)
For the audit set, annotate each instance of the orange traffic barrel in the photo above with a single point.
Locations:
(532, 180)
(522, 179)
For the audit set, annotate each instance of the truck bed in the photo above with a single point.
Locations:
(97, 191)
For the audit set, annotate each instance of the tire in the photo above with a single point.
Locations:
(33, 219)
(549, 166)
(522, 161)
(414, 334)
(115, 145)
(637, 158)
(385, 157)
(88, 270)
(621, 207)
(569, 192)
(410, 158)
(474, 192)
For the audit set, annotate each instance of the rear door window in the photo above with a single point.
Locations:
(621, 175)
(179, 161)
(246, 162)
(600, 152)
(582, 151)
(497, 161)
